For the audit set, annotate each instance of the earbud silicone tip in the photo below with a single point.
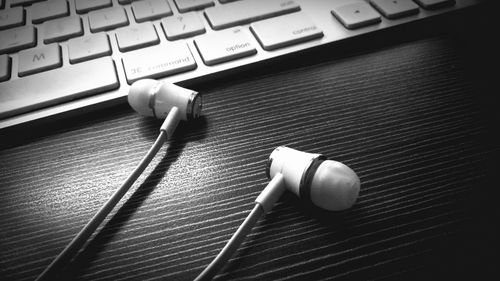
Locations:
(335, 186)
(139, 96)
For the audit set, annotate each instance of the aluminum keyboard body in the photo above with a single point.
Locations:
(63, 57)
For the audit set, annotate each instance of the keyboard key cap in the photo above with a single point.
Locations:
(62, 29)
(356, 14)
(88, 47)
(246, 11)
(39, 59)
(83, 6)
(393, 9)
(435, 4)
(59, 85)
(158, 61)
(225, 46)
(17, 38)
(191, 5)
(51, 9)
(4, 67)
(150, 9)
(14, 3)
(12, 17)
(108, 18)
(285, 30)
(138, 36)
(181, 26)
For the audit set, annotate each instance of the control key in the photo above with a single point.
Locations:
(285, 30)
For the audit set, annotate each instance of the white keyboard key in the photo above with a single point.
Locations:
(39, 59)
(49, 10)
(150, 9)
(14, 3)
(181, 26)
(393, 9)
(246, 11)
(83, 6)
(11, 17)
(138, 36)
(356, 14)
(56, 86)
(108, 18)
(158, 61)
(17, 38)
(225, 46)
(61, 29)
(4, 67)
(285, 30)
(435, 4)
(88, 47)
(190, 5)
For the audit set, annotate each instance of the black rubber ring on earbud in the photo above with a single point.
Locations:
(191, 104)
(269, 162)
(152, 98)
(268, 167)
(307, 177)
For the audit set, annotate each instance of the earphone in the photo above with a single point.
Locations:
(151, 98)
(327, 184)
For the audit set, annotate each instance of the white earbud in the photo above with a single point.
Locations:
(328, 184)
(154, 98)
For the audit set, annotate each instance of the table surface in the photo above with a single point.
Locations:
(414, 117)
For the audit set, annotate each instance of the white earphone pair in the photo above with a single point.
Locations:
(328, 184)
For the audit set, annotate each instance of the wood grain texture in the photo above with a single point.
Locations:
(407, 118)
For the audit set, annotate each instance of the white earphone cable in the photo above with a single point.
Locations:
(264, 202)
(232, 245)
(50, 273)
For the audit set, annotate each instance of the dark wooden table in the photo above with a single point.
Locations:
(415, 116)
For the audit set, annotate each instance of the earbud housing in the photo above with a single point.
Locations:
(328, 184)
(155, 98)
(293, 164)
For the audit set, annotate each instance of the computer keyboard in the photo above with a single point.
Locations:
(63, 57)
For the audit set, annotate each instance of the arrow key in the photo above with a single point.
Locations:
(355, 15)
(393, 9)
